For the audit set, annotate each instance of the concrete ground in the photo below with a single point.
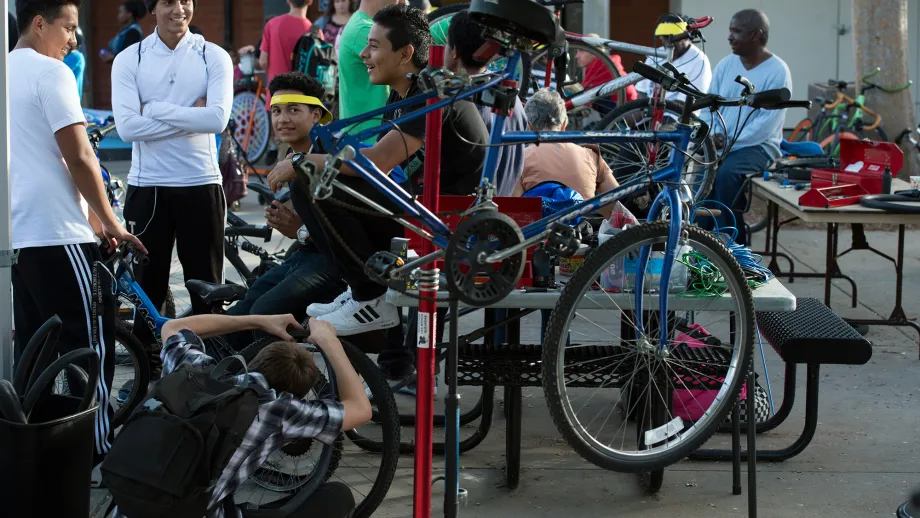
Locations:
(862, 462)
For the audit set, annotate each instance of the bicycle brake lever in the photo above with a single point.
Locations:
(748, 87)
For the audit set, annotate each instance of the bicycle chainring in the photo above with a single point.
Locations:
(469, 277)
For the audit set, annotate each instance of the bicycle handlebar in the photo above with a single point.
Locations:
(254, 231)
(840, 98)
(768, 99)
(700, 23)
(97, 133)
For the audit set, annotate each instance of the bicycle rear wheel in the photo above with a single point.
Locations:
(569, 83)
(631, 160)
(688, 388)
(248, 111)
(439, 21)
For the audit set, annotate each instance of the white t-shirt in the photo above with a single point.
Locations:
(47, 208)
(174, 142)
(694, 63)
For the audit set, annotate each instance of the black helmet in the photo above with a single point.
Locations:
(79, 35)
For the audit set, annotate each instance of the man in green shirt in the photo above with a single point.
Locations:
(356, 93)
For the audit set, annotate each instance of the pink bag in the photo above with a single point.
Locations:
(689, 404)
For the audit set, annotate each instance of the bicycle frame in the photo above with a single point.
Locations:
(129, 288)
(534, 232)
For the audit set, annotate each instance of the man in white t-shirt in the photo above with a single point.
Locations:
(54, 180)
(171, 94)
(688, 59)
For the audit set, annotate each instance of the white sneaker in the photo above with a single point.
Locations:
(317, 310)
(355, 317)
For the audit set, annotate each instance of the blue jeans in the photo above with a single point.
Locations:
(737, 166)
(304, 278)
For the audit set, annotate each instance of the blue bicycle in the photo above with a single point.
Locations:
(662, 391)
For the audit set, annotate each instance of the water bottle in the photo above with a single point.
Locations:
(886, 181)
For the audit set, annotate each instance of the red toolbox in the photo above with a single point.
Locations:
(522, 210)
(862, 162)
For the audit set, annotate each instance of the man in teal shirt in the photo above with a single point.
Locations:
(356, 93)
(77, 62)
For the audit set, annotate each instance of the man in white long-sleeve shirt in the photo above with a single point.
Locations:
(757, 144)
(171, 93)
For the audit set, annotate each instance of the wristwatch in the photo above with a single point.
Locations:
(303, 234)
(297, 159)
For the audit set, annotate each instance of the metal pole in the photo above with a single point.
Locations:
(6, 240)
(452, 420)
(427, 314)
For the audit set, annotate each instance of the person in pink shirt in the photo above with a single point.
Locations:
(280, 37)
(277, 50)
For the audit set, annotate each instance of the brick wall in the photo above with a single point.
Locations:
(247, 19)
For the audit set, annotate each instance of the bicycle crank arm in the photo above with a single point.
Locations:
(498, 257)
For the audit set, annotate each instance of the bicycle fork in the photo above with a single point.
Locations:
(676, 215)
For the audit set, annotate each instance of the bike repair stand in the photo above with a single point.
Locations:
(428, 283)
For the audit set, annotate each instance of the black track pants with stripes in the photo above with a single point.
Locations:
(58, 280)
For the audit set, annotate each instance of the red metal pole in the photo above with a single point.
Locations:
(427, 314)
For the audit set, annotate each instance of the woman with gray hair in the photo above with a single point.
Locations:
(546, 111)
(578, 167)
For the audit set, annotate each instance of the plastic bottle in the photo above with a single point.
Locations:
(886, 181)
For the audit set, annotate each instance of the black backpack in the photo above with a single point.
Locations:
(316, 58)
(172, 450)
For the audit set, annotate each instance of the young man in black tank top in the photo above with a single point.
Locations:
(397, 46)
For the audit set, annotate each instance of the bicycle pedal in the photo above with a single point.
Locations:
(564, 240)
(379, 266)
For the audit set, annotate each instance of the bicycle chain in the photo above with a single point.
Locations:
(351, 253)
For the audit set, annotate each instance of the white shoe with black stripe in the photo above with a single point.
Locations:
(318, 309)
(355, 317)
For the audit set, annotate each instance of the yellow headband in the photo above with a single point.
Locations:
(303, 99)
(671, 29)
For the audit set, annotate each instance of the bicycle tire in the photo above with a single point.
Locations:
(889, 203)
(138, 355)
(831, 147)
(439, 20)
(387, 415)
(557, 333)
(329, 456)
(650, 481)
(641, 108)
(802, 132)
(243, 101)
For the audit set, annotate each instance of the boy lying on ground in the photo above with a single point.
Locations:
(284, 373)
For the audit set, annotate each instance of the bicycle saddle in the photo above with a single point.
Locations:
(211, 293)
(519, 17)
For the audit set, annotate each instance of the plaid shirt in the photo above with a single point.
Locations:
(281, 418)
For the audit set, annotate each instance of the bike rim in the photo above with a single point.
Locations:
(642, 373)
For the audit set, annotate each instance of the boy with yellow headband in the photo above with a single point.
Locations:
(306, 276)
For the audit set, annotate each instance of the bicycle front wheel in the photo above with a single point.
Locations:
(623, 400)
